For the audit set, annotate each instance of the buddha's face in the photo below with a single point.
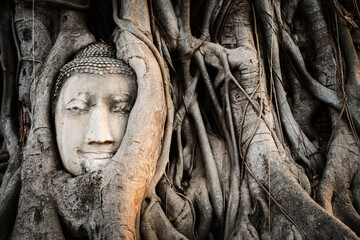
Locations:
(91, 115)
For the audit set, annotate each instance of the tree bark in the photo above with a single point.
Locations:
(245, 124)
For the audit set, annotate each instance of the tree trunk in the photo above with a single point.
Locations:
(245, 123)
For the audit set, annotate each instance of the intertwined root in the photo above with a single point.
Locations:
(238, 163)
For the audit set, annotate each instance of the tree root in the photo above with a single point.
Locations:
(180, 210)
(164, 157)
(31, 58)
(212, 177)
(69, 4)
(9, 194)
(9, 122)
(304, 151)
(156, 225)
(334, 191)
(245, 228)
(292, 197)
(40, 146)
(180, 161)
(10, 182)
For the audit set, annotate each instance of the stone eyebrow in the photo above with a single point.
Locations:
(114, 98)
(86, 97)
(74, 99)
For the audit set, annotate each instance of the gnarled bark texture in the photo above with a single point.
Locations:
(245, 124)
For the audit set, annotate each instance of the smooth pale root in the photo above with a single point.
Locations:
(135, 161)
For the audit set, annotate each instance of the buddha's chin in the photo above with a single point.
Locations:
(97, 164)
(88, 165)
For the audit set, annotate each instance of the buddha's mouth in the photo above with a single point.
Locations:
(96, 155)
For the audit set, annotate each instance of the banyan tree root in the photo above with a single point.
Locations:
(200, 192)
(303, 150)
(304, 104)
(336, 100)
(32, 59)
(163, 229)
(189, 212)
(262, 185)
(339, 178)
(288, 191)
(35, 203)
(10, 181)
(337, 184)
(130, 22)
(263, 177)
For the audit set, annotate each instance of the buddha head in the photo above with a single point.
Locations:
(93, 97)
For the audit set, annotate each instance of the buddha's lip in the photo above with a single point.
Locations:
(97, 154)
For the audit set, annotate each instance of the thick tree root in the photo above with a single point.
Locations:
(10, 182)
(125, 25)
(40, 146)
(181, 209)
(156, 225)
(231, 174)
(334, 191)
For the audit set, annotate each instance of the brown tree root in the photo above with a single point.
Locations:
(285, 190)
(244, 228)
(143, 36)
(282, 181)
(156, 225)
(9, 195)
(334, 192)
(180, 209)
(304, 106)
(303, 150)
(284, 184)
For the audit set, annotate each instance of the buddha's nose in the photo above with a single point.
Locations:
(98, 130)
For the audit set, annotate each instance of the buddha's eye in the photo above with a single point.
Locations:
(77, 107)
(120, 107)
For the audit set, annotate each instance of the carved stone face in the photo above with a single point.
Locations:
(91, 115)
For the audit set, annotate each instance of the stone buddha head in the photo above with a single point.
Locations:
(93, 97)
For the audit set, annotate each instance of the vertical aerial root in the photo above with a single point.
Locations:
(9, 104)
(189, 149)
(212, 177)
(180, 161)
(304, 150)
(10, 183)
(244, 228)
